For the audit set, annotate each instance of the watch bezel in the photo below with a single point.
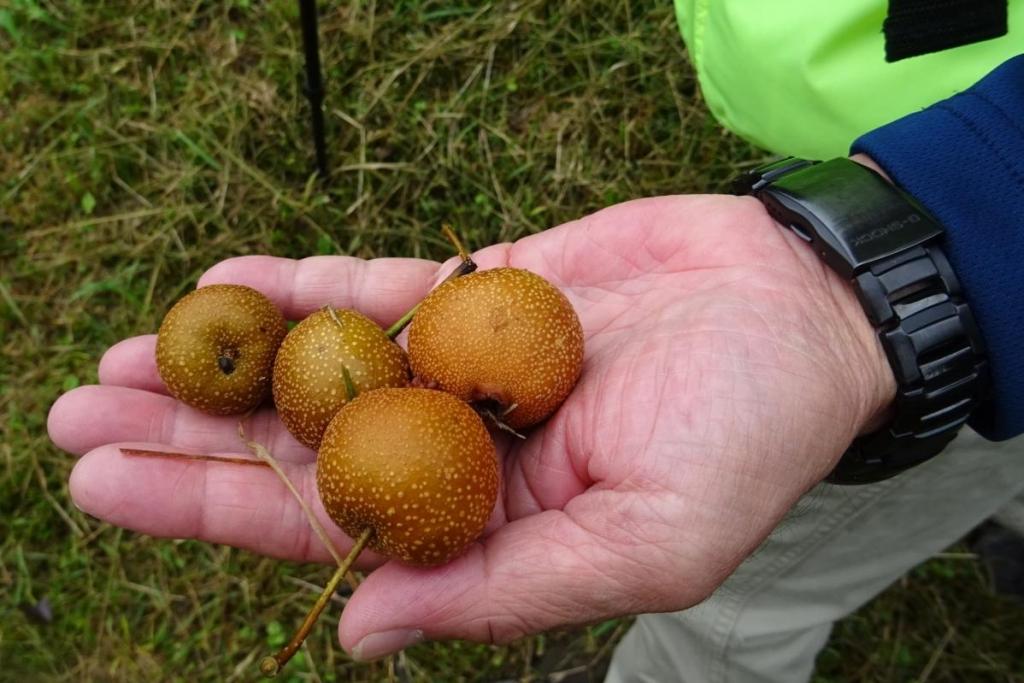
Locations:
(852, 196)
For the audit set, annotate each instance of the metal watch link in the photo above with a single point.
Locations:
(886, 244)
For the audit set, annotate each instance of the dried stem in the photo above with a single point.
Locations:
(499, 423)
(263, 454)
(454, 239)
(466, 266)
(271, 665)
(334, 316)
(141, 452)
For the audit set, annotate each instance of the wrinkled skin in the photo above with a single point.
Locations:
(726, 369)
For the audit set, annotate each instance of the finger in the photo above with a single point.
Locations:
(382, 289)
(132, 363)
(544, 571)
(91, 416)
(642, 235)
(244, 506)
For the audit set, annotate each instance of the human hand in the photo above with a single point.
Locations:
(726, 370)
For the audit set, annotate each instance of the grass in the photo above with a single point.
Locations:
(142, 142)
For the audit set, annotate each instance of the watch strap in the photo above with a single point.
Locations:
(934, 348)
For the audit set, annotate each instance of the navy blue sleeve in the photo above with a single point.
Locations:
(963, 158)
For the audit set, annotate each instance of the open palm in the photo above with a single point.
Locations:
(725, 371)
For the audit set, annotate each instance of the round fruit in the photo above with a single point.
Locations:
(216, 347)
(415, 466)
(309, 380)
(504, 335)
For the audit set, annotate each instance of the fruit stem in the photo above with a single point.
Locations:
(188, 456)
(499, 423)
(454, 239)
(402, 323)
(350, 388)
(334, 316)
(261, 452)
(271, 664)
(467, 266)
(268, 458)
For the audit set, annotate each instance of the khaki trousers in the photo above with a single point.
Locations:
(837, 549)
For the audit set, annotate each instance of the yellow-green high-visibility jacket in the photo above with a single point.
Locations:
(806, 77)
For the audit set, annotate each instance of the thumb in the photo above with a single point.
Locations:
(536, 573)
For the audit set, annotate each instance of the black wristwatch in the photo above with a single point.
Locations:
(886, 244)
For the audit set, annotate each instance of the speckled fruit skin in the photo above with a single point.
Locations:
(415, 465)
(309, 387)
(505, 334)
(218, 321)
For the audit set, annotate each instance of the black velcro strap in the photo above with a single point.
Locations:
(918, 27)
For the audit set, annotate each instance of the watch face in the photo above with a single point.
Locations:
(851, 214)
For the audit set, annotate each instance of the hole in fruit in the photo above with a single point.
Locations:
(495, 411)
(491, 397)
(489, 405)
(226, 364)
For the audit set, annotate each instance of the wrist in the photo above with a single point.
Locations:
(867, 369)
(865, 160)
(870, 369)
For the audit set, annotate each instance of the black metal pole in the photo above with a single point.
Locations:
(314, 81)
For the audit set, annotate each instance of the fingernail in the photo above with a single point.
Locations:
(377, 645)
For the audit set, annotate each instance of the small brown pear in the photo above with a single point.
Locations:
(504, 335)
(416, 467)
(309, 373)
(215, 348)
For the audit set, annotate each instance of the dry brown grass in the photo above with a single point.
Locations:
(140, 142)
